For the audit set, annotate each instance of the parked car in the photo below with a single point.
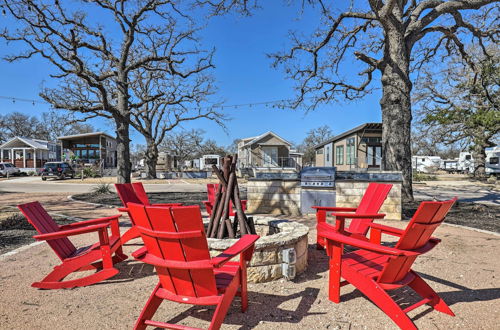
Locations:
(9, 169)
(60, 170)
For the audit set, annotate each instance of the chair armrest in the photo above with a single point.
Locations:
(363, 244)
(243, 244)
(333, 208)
(122, 209)
(71, 232)
(386, 229)
(140, 252)
(358, 216)
(86, 223)
(168, 204)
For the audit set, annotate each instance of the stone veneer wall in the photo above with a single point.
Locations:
(349, 194)
(275, 237)
(273, 197)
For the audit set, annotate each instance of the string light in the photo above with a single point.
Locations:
(276, 104)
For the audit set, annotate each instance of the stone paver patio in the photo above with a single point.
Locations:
(463, 269)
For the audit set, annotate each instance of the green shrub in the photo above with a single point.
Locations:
(31, 173)
(90, 172)
(101, 188)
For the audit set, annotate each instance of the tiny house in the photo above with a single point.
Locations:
(206, 161)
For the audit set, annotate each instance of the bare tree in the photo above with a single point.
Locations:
(387, 39)
(96, 61)
(19, 124)
(58, 123)
(183, 144)
(314, 137)
(183, 100)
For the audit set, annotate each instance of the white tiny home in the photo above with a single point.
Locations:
(206, 161)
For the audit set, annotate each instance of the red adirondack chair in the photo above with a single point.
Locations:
(134, 193)
(362, 216)
(177, 246)
(98, 256)
(211, 191)
(376, 269)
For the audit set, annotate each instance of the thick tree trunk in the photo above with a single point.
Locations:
(151, 160)
(479, 156)
(396, 109)
(123, 150)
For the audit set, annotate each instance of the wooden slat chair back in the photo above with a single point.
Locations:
(44, 224)
(187, 270)
(140, 192)
(127, 193)
(211, 192)
(426, 219)
(372, 201)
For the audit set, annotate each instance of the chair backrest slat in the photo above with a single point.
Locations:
(184, 282)
(140, 192)
(127, 194)
(427, 218)
(372, 201)
(211, 191)
(43, 223)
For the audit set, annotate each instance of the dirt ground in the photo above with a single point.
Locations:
(462, 269)
(112, 180)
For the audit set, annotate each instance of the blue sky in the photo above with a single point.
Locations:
(243, 74)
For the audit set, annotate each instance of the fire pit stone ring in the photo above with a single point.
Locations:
(281, 250)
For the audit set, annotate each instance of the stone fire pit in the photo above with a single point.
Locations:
(281, 250)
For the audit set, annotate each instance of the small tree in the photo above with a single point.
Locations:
(314, 137)
(461, 104)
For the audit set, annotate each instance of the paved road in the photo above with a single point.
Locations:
(36, 185)
(464, 190)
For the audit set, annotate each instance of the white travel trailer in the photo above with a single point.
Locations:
(206, 161)
(449, 165)
(492, 162)
(465, 162)
(426, 164)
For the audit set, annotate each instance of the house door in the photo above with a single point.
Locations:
(270, 156)
(373, 156)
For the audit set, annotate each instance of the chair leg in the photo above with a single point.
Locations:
(149, 309)
(334, 250)
(382, 299)
(243, 288)
(425, 291)
(223, 306)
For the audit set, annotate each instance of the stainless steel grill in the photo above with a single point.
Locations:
(318, 177)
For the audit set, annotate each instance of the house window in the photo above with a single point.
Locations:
(327, 154)
(373, 156)
(319, 151)
(339, 155)
(270, 156)
(351, 151)
(494, 160)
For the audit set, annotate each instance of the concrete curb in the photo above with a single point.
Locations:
(473, 229)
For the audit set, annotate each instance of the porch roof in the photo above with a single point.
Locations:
(23, 142)
(260, 137)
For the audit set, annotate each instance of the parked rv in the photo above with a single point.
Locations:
(492, 162)
(465, 162)
(449, 165)
(426, 164)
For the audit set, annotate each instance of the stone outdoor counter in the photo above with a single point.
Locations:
(351, 185)
(273, 196)
(281, 250)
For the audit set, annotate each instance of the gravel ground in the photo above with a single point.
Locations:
(461, 269)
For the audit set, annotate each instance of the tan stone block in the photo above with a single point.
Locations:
(265, 257)
(390, 208)
(258, 274)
